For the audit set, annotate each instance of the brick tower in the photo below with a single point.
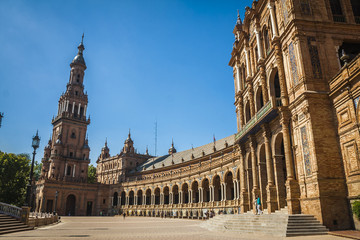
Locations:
(69, 158)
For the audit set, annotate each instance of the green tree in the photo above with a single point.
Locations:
(14, 173)
(91, 174)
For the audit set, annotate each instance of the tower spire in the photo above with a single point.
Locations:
(238, 20)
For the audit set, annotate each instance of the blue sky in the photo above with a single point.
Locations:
(148, 61)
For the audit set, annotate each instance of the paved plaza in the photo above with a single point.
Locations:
(134, 228)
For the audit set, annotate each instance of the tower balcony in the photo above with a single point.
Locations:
(267, 113)
(71, 116)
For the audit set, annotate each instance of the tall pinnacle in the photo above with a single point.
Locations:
(238, 21)
(79, 59)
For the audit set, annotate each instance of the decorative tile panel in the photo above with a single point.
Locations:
(306, 151)
(314, 56)
(293, 65)
(285, 11)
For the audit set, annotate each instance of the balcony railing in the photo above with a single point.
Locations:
(357, 19)
(254, 120)
(10, 210)
(339, 18)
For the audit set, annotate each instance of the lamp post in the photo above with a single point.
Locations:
(1, 117)
(56, 197)
(35, 144)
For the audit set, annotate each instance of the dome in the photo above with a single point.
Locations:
(79, 59)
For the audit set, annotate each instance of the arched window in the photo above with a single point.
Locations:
(356, 10)
(259, 99)
(247, 112)
(336, 10)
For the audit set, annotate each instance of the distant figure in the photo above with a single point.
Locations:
(124, 215)
(258, 205)
(69, 213)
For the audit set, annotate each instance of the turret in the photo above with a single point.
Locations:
(172, 150)
(128, 145)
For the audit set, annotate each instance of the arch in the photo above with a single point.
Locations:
(139, 195)
(123, 198)
(195, 191)
(157, 195)
(280, 169)
(217, 188)
(148, 196)
(205, 184)
(274, 86)
(175, 192)
(166, 193)
(185, 193)
(262, 174)
(115, 199)
(131, 197)
(70, 205)
(228, 179)
(247, 113)
(259, 99)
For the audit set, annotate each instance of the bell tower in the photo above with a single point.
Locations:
(69, 157)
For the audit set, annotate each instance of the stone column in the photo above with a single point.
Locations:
(180, 197)
(112, 201)
(255, 190)
(190, 196)
(247, 60)
(251, 98)
(224, 187)
(127, 200)
(235, 189)
(200, 195)
(241, 111)
(281, 72)
(275, 32)
(244, 198)
(238, 78)
(264, 87)
(292, 185)
(270, 188)
(259, 45)
(79, 109)
(152, 199)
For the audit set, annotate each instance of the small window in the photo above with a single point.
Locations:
(71, 154)
(78, 78)
(73, 135)
(104, 201)
(76, 93)
(68, 171)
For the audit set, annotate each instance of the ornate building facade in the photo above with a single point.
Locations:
(296, 78)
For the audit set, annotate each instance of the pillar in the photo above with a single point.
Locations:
(241, 111)
(292, 185)
(259, 45)
(281, 72)
(244, 198)
(247, 60)
(112, 201)
(79, 109)
(74, 170)
(238, 78)
(264, 87)
(65, 169)
(73, 107)
(251, 98)
(275, 32)
(190, 196)
(271, 200)
(180, 197)
(85, 110)
(255, 190)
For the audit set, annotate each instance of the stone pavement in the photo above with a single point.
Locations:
(90, 228)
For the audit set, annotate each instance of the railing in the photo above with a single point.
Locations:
(40, 215)
(339, 18)
(10, 210)
(357, 19)
(249, 125)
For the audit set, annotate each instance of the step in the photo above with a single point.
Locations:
(15, 230)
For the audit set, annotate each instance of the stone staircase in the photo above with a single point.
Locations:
(276, 224)
(9, 225)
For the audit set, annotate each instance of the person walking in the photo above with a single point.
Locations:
(124, 215)
(258, 205)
